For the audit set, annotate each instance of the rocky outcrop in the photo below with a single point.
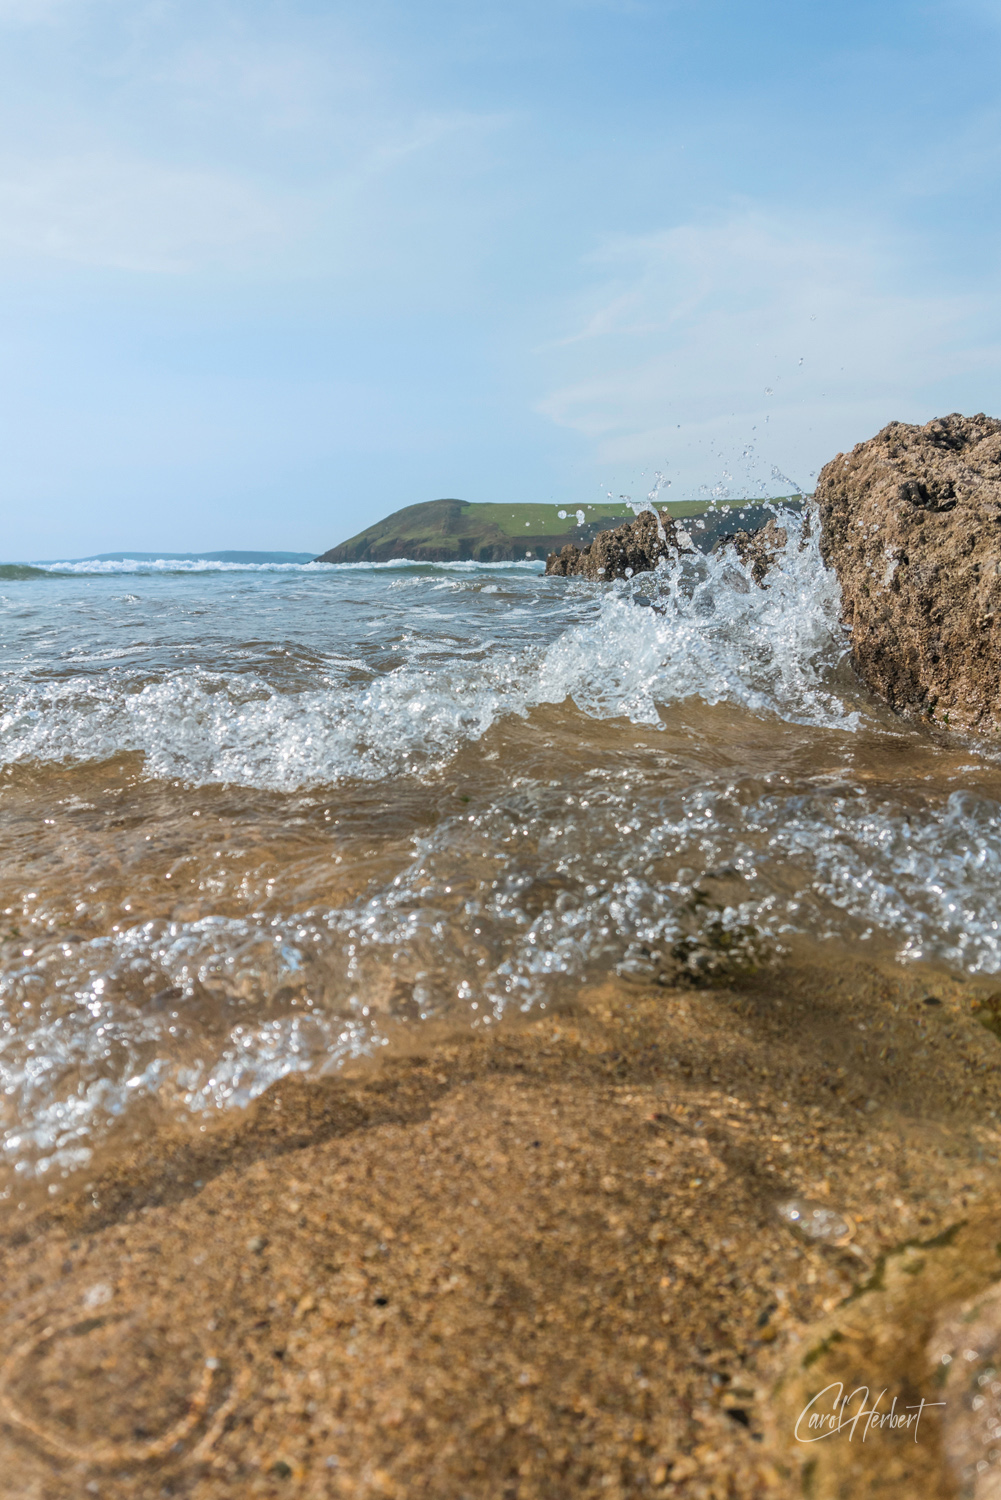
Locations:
(639, 545)
(758, 550)
(911, 524)
(636, 547)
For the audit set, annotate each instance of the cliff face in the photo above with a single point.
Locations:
(910, 524)
(453, 531)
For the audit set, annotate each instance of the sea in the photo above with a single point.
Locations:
(266, 818)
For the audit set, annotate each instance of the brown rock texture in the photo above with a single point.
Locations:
(911, 524)
(758, 550)
(635, 547)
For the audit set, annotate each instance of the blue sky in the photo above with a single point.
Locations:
(271, 270)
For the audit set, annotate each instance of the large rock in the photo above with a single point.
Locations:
(636, 547)
(911, 524)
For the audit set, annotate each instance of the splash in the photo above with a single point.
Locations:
(713, 635)
(602, 833)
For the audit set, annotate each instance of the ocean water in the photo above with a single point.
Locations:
(262, 819)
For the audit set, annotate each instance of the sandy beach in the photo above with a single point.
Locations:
(542, 1263)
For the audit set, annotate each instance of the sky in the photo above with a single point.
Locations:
(271, 269)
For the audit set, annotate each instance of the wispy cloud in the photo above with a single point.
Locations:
(758, 340)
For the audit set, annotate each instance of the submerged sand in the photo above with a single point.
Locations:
(537, 1263)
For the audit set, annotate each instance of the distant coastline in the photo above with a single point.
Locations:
(437, 531)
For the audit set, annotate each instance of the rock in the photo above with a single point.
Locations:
(759, 550)
(636, 547)
(911, 524)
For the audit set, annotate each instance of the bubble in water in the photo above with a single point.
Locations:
(815, 1221)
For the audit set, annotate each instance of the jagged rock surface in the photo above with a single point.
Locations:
(758, 550)
(635, 547)
(911, 524)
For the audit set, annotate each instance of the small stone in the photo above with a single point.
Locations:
(683, 1468)
(256, 1244)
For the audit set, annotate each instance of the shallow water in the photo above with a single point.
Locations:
(262, 820)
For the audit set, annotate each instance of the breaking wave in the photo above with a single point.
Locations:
(577, 780)
(622, 653)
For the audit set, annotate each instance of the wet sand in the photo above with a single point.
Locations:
(541, 1262)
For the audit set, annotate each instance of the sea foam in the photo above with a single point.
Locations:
(710, 633)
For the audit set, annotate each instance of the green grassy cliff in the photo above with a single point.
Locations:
(457, 531)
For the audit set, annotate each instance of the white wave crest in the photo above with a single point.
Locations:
(706, 631)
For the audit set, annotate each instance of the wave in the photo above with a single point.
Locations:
(511, 906)
(551, 875)
(702, 630)
(15, 572)
(173, 567)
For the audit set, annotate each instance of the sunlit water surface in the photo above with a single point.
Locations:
(263, 820)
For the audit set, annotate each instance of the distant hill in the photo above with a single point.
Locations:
(460, 531)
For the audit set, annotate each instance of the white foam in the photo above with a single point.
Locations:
(510, 905)
(170, 566)
(718, 637)
(550, 882)
(715, 635)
